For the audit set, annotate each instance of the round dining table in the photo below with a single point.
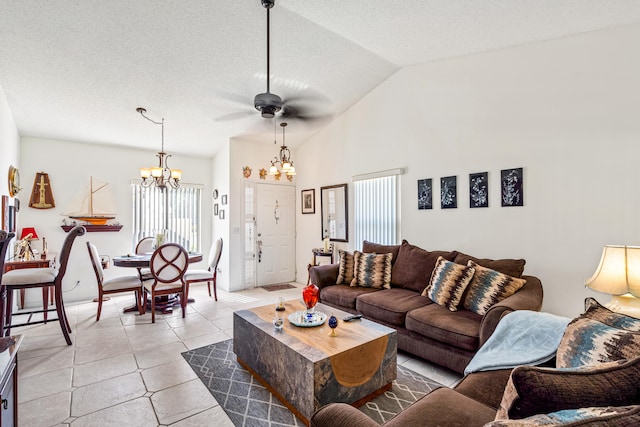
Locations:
(164, 303)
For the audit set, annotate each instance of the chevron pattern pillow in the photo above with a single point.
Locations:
(448, 283)
(372, 270)
(345, 268)
(595, 311)
(489, 287)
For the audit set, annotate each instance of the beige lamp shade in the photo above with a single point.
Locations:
(618, 272)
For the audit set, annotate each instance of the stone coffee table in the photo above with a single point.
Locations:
(305, 368)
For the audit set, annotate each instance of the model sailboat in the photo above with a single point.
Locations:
(94, 204)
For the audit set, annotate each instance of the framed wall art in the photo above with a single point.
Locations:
(512, 187)
(221, 214)
(215, 209)
(224, 199)
(479, 190)
(425, 193)
(308, 201)
(449, 192)
(5, 213)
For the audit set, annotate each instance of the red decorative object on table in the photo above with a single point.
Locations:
(310, 294)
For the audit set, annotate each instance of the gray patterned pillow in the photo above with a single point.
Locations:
(345, 269)
(372, 270)
(589, 342)
(489, 287)
(448, 282)
(607, 416)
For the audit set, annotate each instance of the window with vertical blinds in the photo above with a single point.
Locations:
(174, 212)
(376, 208)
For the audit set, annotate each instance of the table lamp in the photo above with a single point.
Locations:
(619, 275)
(26, 236)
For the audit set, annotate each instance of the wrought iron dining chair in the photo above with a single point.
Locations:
(5, 239)
(168, 265)
(210, 274)
(114, 285)
(145, 245)
(39, 278)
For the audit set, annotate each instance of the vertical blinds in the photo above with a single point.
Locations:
(376, 210)
(174, 212)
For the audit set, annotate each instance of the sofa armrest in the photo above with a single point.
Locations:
(324, 275)
(340, 415)
(529, 297)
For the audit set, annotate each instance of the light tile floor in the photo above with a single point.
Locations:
(124, 370)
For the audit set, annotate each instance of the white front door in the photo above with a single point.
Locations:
(275, 233)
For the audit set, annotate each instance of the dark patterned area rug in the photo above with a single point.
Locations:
(248, 403)
(279, 287)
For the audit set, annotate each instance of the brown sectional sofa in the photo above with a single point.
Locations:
(425, 329)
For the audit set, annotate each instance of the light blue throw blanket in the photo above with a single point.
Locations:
(522, 337)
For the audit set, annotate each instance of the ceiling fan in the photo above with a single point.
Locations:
(268, 103)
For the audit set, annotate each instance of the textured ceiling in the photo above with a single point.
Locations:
(77, 69)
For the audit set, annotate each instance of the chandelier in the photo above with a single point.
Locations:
(283, 159)
(160, 175)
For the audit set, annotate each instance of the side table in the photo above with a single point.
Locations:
(34, 263)
(318, 252)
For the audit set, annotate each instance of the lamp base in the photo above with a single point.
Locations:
(625, 304)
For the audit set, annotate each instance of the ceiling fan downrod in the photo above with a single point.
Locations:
(268, 103)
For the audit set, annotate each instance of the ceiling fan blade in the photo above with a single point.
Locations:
(234, 116)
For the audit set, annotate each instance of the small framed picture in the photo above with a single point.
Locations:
(512, 190)
(221, 214)
(309, 201)
(478, 190)
(448, 192)
(215, 209)
(425, 194)
(224, 199)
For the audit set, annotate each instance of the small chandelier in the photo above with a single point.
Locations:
(283, 159)
(160, 175)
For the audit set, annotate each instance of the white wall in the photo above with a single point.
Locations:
(564, 110)
(220, 180)
(9, 144)
(69, 165)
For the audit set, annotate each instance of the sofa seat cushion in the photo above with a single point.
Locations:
(510, 267)
(413, 267)
(460, 328)
(391, 305)
(343, 295)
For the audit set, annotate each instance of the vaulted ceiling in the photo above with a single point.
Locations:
(77, 69)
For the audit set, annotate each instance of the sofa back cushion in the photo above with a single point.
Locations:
(448, 282)
(372, 270)
(375, 248)
(414, 266)
(345, 268)
(510, 267)
(488, 287)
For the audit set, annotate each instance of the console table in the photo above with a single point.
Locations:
(9, 380)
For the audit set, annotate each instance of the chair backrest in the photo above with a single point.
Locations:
(169, 263)
(5, 238)
(215, 253)
(95, 261)
(145, 245)
(76, 231)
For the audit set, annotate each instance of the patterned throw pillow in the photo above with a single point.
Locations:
(589, 342)
(594, 311)
(448, 282)
(489, 287)
(607, 416)
(345, 269)
(372, 270)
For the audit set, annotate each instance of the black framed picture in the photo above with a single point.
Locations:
(425, 193)
(224, 199)
(512, 187)
(215, 209)
(479, 190)
(308, 201)
(221, 214)
(449, 192)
